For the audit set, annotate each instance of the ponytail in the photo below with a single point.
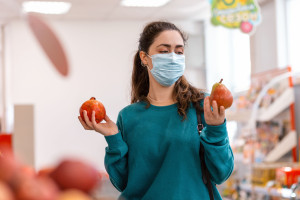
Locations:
(140, 80)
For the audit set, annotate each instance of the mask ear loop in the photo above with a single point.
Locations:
(143, 64)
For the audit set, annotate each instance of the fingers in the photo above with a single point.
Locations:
(207, 110)
(87, 120)
(83, 124)
(106, 118)
(215, 111)
(222, 112)
(215, 116)
(94, 123)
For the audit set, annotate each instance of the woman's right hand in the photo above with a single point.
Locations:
(106, 129)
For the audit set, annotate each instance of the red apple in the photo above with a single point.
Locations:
(8, 166)
(28, 170)
(45, 171)
(73, 194)
(23, 172)
(93, 105)
(40, 188)
(5, 192)
(74, 174)
(221, 95)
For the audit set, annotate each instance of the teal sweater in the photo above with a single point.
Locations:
(155, 155)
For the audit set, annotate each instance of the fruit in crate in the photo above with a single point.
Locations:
(73, 195)
(93, 105)
(21, 182)
(8, 166)
(74, 174)
(22, 174)
(46, 171)
(37, 188)
(221, 95)
(5, 192)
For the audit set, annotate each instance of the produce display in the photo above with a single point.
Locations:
(71, 179)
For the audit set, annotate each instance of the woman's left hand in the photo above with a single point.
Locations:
(213, 117)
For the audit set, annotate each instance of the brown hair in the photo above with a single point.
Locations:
(184, 92)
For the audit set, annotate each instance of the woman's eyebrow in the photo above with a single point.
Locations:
(168, 45)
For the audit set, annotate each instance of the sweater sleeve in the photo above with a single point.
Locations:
(218, 153)
(115, 160)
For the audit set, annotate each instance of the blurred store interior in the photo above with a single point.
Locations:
(40, 105)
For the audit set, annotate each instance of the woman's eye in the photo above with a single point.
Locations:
(163, 52)
(179, 53)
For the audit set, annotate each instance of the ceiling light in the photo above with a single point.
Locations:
(144, 3)
(46, 7)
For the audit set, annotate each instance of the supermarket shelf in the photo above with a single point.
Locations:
(265, 114)
(260, 190)
(280, 104)
(283, 147)
(275, 192)
(239, 116)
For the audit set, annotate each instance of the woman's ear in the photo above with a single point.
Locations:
(143, 57)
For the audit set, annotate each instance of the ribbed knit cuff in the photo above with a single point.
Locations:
(215, 134)
(114, 141)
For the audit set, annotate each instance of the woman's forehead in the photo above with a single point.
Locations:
(171, 37)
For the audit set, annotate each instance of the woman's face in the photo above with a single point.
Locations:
(166, 42)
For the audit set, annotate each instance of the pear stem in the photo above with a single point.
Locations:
(221, 81)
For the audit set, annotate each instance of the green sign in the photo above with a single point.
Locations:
(242, 14)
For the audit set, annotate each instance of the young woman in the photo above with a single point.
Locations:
(153, 150)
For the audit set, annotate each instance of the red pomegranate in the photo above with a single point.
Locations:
(93, 105)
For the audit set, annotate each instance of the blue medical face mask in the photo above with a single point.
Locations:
(167, 68)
